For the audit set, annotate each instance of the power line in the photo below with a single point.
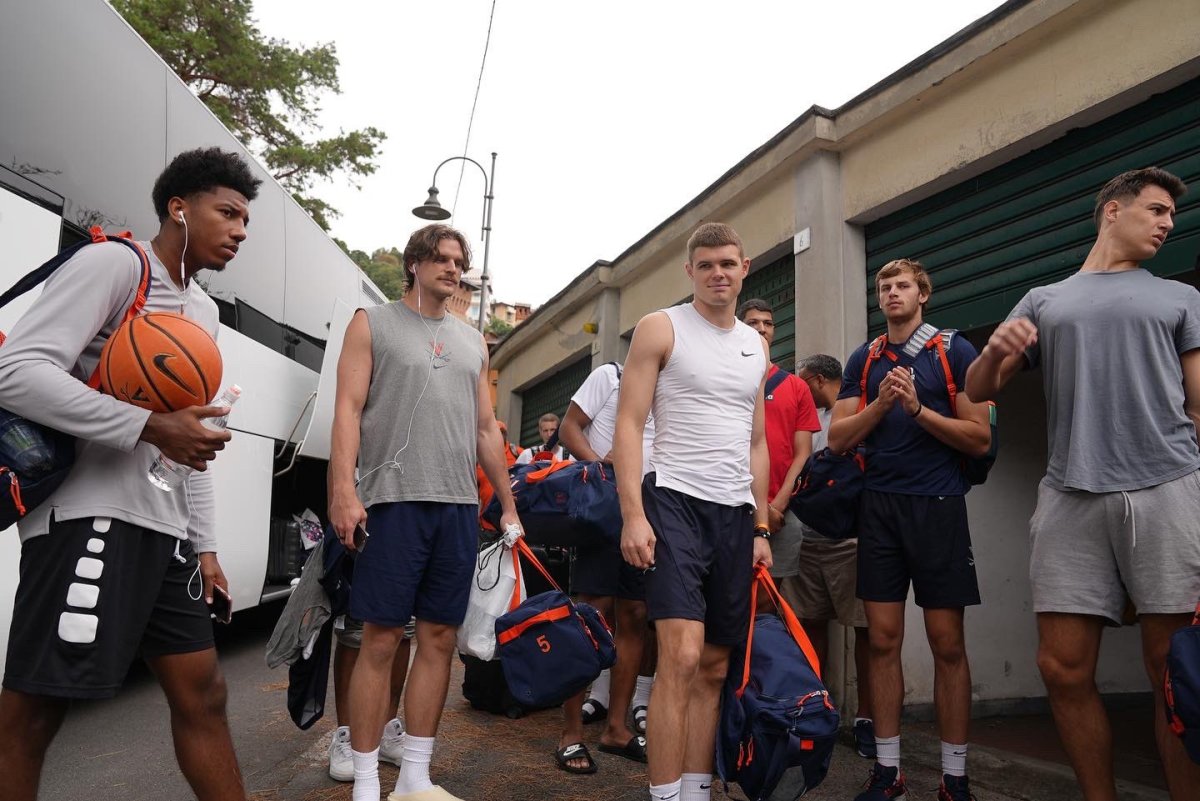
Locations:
(462, 165)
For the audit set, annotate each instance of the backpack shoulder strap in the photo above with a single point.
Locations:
(777, 378)
(941, 343)
(874, 351)
(39, 274)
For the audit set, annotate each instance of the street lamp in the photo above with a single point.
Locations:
(431, 209)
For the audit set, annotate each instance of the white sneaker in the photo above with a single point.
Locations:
(341, 760)
(391, 746)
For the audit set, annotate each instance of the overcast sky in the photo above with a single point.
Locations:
(607, 117)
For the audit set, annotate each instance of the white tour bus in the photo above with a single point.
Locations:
(89, 116)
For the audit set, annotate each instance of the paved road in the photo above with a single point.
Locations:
(121, 748)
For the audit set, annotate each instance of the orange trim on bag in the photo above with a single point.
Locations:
(541, 475)
(528, 554)
(14, 488)
(549, 616)
(790, 622)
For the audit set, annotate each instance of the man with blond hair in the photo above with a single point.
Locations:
(895, 401)
(698, 520)
(1118, 511)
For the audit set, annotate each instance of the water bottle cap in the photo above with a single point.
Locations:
(234, 390)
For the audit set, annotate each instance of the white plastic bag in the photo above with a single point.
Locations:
(497, 574)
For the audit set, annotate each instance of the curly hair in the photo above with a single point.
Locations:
(202, 170)
(423, 245)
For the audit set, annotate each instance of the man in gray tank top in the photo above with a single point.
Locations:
(413, 413)
(1119, 508)
(697, 523)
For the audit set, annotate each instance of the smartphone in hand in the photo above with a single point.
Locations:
(360, 538)
(221, 606)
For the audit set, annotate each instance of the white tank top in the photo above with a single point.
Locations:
(704, 408)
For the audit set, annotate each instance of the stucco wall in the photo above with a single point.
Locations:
(1071, 62)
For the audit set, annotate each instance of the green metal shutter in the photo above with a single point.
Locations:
(551, 394)
(1027, 223)
(776, 284)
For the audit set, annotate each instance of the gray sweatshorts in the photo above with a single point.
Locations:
(1089, 550)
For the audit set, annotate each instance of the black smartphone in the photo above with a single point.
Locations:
(360, 538)
(221, 606)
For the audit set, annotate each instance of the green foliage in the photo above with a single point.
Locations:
(499, 327)
(385, 266)
(265, 90)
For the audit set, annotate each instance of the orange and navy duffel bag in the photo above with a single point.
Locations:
(1181, 685)
(550, 647)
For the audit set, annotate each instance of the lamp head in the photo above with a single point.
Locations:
(431, 209)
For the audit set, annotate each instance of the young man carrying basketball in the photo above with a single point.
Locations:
(913, 516)
(698, 521)
(1118, 511)
(108, 562)
(413, 413)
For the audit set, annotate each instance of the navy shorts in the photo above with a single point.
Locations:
(603, 572)
(919, 538)
(418, 561)
(703, 562)
(95, 593)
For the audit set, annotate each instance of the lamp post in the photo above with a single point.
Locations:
(431, 209)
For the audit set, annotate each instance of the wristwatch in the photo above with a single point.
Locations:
(762, 530)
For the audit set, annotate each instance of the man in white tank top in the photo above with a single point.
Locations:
(698, 522)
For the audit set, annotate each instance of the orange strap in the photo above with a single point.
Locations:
(790, 621)
(549, 616)
(523, 549)
(951, 390)
(515, 601)
(535, 476)
(873, 354)
(14, 487)
(139, 298)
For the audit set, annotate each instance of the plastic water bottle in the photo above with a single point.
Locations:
(166, 474)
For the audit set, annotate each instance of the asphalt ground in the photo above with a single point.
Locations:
(121, 748)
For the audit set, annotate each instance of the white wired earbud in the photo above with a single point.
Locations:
(433, 335)
(182, 219)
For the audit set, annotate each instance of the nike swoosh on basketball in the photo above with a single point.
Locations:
(160, 361)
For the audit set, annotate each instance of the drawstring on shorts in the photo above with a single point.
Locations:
(1130, 516)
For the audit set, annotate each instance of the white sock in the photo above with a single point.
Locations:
(414, 768)
(599, 691)
(641, 695)
(887, 751)
(696, 787)
(366, 775)
(954, 759)
(666, 792)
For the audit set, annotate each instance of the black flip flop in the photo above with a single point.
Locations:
(635, 749)
(594, 711)
(639, 719)
(564, 755)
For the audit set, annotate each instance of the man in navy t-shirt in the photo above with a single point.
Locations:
(895, 401)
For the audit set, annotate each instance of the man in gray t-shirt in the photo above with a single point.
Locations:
(1119, 508)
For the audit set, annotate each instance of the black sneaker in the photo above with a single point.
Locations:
(864, 738)
(955, 788)
(882, 785)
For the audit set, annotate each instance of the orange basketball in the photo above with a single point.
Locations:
(162, 362)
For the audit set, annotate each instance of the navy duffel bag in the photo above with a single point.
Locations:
(564, 503)
(1182, 686)
(550, 647)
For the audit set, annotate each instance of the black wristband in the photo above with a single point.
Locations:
(762, 531)
(920, 408)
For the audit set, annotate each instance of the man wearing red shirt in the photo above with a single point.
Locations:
(791, 419)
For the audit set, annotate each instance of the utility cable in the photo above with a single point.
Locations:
(462, 165)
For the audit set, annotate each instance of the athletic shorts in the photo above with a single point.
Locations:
(1088, 550)
(825, 588)
(93, 594)
(785, 547)
(418, 562)
(703, 562)
(923, 539)
(603, 572)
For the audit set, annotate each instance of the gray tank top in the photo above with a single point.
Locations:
(423, 402)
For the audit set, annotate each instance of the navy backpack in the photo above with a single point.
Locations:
(551, 648)
(1181, 686)
(34, 459)
(827, 493)
(777, 728)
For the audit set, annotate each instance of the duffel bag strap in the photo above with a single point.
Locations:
(528, 554)
(515, 601)
(534, 476)
(790, 621)
(548, 616)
